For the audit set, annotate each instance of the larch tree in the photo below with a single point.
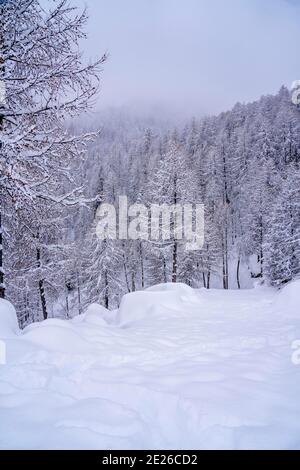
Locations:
(46, 81)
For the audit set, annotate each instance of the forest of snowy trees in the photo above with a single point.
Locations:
(243, 165)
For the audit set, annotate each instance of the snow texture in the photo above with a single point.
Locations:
(173, 368)
(8, 320)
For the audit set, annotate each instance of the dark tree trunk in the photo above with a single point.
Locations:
(174, 263)
(224, 271)
(175, 244)
(43, 299)
(133, 288)
(106, 299)
(42, 287)
(67, 298)
(165, 270)
(226, 196)
(78, 294)
(225, 262)
(142, 266)
(204, 280)
(261, 255)
(126, 273)
(238, 272)
(208, 280)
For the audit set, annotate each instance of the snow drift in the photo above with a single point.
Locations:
(8, 320)
(288, 299)
(164, 300)
(172, 368)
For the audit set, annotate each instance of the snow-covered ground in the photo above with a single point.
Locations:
(173, 368)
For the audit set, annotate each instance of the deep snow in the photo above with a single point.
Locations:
(172, 368)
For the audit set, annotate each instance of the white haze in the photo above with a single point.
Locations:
(193, 56)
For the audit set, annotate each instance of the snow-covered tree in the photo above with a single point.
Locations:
(46, 81)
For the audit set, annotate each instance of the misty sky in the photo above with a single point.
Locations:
(193, 56)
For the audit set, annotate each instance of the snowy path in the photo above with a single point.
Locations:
(172, 369)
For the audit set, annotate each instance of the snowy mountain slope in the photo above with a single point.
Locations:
(173, 368)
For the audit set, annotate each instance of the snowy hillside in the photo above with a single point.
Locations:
(173, 368)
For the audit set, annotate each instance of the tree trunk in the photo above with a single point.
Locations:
(208, 280)
(226, 196)
(126, 273)
(106, 299)
(224, 271)
(78, 294)
(67, 298)
(261, 250)
(43, 299)
(133, 288)
(165, 270)
(238, 272)
(42, 287)
(174, 263)
(142, 266)
(204, 280)
(175, 247)
(225, 262)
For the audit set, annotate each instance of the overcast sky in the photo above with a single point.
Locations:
(193, 56)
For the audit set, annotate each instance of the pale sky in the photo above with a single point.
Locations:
(193, 56)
